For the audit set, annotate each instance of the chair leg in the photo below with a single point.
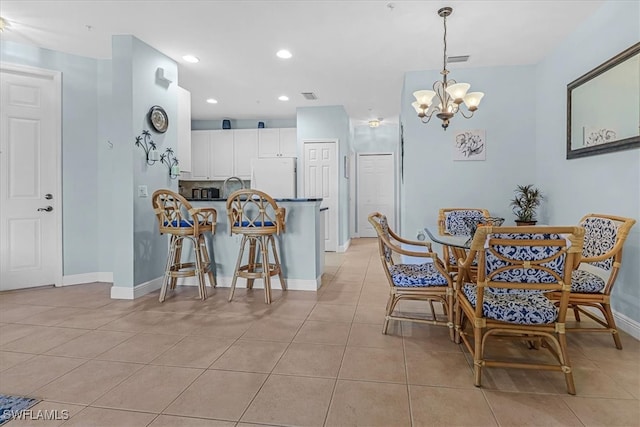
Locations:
(576, 313)
(202, 290)
(477, 356)
(207, 261)
(283, 282)
(177, 259)
(167, 270)
(235, 273)
(264, 251)
(388, 312)
(568, 375)
(251, 261)
(606, 309)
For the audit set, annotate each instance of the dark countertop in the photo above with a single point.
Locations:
(221, 199)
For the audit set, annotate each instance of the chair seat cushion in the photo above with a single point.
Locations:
(183, 223)
(256, 224)
(416, 275)
(585, 282)
(522, 308)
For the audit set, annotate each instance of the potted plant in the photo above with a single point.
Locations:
(527, 199)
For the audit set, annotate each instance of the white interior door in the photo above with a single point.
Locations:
(321, 180)
(30, 249)
(376, 184)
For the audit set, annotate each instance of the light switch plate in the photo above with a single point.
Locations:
(142, 191)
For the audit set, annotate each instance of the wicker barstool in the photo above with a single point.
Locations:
(255, 216)
(180, 220)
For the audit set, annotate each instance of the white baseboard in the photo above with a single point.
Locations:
(292, 284)
(125, 292)
(627, 324)
(343, 248)
(77, 279)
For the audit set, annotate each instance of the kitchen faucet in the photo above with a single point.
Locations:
(224, 185)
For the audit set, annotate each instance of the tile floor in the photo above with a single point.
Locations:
(307, 359)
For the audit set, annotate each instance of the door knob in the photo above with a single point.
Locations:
(47, 209)
(48, 196)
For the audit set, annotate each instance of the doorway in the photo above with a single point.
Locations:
(30, 177)
(321, 180)
(376, 190)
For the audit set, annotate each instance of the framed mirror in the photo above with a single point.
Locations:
(603, 107)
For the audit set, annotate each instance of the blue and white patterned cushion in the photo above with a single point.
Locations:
(600, 236)
(416, 275)
(454, 223)
(523, 309)
(524, 253)
(585, 282)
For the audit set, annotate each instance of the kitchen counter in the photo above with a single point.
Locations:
(301, 247)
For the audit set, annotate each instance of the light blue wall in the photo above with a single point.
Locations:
(330, 122)
(107, 168)
(242, 124)
(140, 252)
(79, 149)
(432, 180)
(605, 183)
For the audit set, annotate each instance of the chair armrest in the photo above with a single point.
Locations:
(204, 217)
(281, 213)
(411, 242)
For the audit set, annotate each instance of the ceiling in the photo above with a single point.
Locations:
(350, 53)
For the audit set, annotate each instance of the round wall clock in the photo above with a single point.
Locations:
(158, 118)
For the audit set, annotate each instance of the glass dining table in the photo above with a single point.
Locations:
(461, 242)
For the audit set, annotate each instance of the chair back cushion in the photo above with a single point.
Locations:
(455, 221)
(253, 211)
(600, 236)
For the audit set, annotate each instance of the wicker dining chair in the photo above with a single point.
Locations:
(428, 281)
(454, 222)
(517, 267)
(593, 281)
(177, 218)
(255, 216)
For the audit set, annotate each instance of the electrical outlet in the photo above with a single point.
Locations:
(142, 191)
(420, 235)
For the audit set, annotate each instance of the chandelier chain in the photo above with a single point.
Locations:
(444, 57)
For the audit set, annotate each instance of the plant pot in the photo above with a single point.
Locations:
(524, 223)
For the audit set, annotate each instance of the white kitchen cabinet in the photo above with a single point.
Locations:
(183, 126)
(221, 154)
(245, 146)
(277, 142)
(200, 148)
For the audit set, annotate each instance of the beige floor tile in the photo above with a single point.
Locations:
(90, 319)
(91, 344)
(13, 313)
(9, 359)
(138, 321)
(288, 400)
(43, 339)
(522, 380)
(292, 308)
(339, 297)
(626, 375)
(141, 348)
(366, 335)
(51, 317)
(101, 417)
(34, 373)
(150, 389)
(311, 360)
(530, 409)
(87, 382)
(439, 406)
(251, 356)
(9, 333)
(177, 324)
(369, 404)
(194, 352)
(604, 412)
(314, 332)
(373, 314)
(333, 313)
(215, 394)
(173, 421)
(59, 413)
(225, 326)
(273, 329)
(435, 368)
(373, 364)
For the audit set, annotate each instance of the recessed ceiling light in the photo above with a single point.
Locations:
(191, 58)
(283, 98)
(212, 101)
(284, 54)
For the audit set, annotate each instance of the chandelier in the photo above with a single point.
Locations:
(447, 95)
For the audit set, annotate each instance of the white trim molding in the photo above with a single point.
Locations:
(292, 284)
(627, 324)
(125, 292)
(79, 279)
(343, 248)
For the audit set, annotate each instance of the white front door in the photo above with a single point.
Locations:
(30, 249)
(321, 180)
(376, 183)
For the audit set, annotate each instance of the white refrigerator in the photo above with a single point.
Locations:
(275, 176)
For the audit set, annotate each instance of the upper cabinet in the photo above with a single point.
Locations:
(277, 142)
(183, 126)
(219, 154)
